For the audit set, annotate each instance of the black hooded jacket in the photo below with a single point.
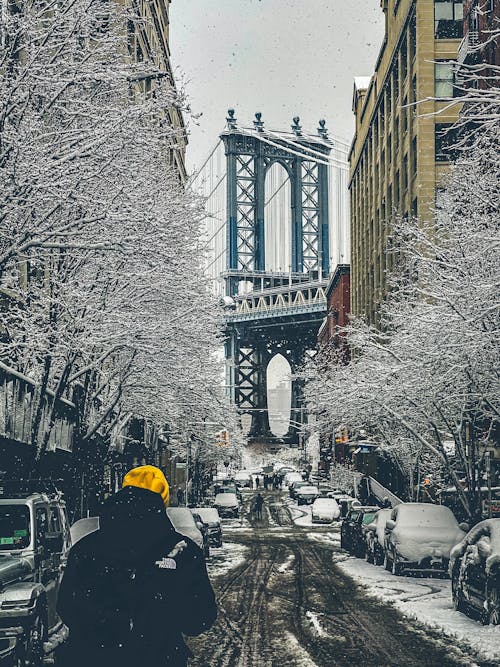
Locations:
(133, 588)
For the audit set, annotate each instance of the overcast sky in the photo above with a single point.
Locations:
(280, 57)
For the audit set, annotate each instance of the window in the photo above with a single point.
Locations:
(413, 38)
(448, 19)
(414, 156)
(404, 60)
(444, 79)
(445, 136)
(14, 527)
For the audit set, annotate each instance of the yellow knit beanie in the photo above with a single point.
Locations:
(151, 478)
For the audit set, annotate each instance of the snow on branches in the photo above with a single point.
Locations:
(98, 238)
(426, 380)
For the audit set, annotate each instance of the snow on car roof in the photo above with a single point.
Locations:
(228, 499)
(422, 513)
(207, 513)
(489, 528)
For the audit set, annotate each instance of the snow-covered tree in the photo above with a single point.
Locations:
(98, 239)
(426, 382)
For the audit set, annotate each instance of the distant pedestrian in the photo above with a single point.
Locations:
(257, 482)
(266, 482)
(258, 503)
(180, 496)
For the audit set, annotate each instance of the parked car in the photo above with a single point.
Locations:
(352, 537)
(306, 495)
(291, 477)
(475, 572)
(325, 510)
(227, 505)
(375, 537)
(295, 486)
(185, 524)
(210, 517)
(420, 536)
(229, 488)
(34, 545)
(346, 503)
(243, 478)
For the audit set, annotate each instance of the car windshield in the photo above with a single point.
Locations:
(14, 527)
(369, 517)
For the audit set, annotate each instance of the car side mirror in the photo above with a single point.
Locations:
(390, 525)
(464, 526)
(53, 542)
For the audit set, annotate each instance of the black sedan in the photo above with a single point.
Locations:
(352, 531)
(475, 572)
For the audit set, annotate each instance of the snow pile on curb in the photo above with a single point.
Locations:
(427, 600)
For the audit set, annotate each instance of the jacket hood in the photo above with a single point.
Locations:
(132, 522)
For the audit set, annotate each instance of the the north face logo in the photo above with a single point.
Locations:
(166, 564)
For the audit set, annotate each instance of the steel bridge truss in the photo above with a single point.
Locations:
(283, 312)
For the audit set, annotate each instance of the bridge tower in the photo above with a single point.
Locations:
(273, 312)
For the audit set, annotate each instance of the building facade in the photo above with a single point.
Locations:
(400, 148)
(148, 41)
(338, 303)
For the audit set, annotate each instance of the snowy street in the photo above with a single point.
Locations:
(289, 596)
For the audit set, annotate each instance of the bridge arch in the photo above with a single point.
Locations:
(277, 219)
(279, 394)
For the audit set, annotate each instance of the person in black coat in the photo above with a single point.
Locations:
(133, 588)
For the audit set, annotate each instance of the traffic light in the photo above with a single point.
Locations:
(222, 439)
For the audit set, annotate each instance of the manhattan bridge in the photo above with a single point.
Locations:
(276, 228)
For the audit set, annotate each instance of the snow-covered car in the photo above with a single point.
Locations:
(83, 527)
(346, 503)
(210, 517)
(243, 478)
(375, 537)
(291, 477)
(184, 523)
(230, 487)
(295, 486)
(306, 495)
(227, 504)
(475, 572)
(324, 510)
(354, 526)
(420, 536)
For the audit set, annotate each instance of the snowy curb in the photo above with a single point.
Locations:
(426, 600)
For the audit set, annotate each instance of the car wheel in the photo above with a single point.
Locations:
(456, 595)
(397, 568)
(387, 562)
(491, 614)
